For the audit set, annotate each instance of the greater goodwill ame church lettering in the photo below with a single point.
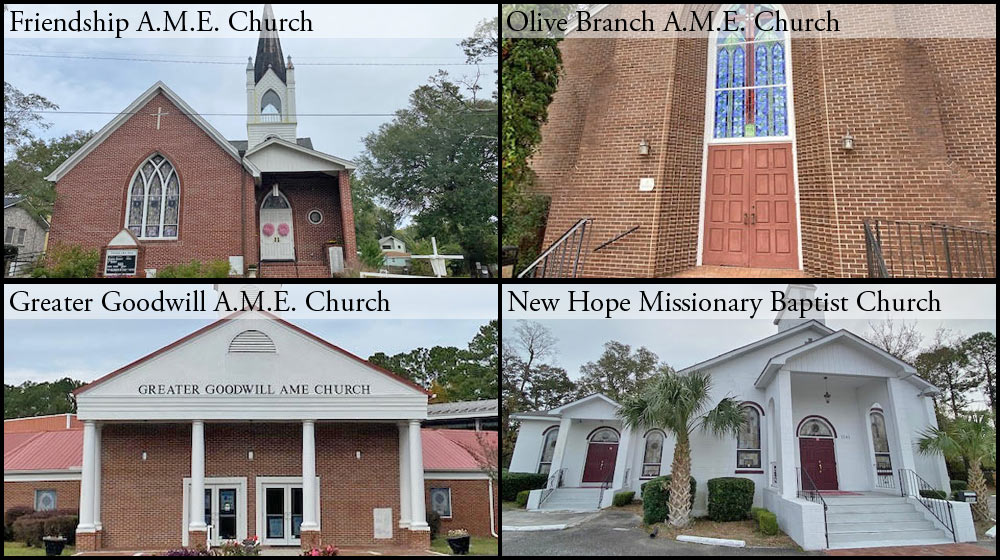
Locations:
(161, 182)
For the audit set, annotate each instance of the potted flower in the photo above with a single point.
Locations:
(54, 545)
(328, 550)
(458, 540)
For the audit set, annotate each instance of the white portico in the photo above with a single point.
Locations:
(283, 433)
(831, 421)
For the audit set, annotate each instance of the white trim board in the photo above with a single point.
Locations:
(43, 476)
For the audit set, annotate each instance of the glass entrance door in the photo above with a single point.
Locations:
(283, 514)
(221, 513)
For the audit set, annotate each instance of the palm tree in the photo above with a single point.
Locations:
(972, 438)
(678, 404)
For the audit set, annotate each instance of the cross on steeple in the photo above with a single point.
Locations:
(159, 114)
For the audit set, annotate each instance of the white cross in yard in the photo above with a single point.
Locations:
(438, 261)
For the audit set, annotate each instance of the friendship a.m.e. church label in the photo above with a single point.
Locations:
(254, 426)
(159, 186)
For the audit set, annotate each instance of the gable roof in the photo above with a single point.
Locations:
(233, 317)
(15, 200)
(346, 164)
(907, 371)
(812, 324)
(128, 113)
(242, 145)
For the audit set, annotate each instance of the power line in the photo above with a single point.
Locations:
(124, 59)
(40, 112)
(241, 57)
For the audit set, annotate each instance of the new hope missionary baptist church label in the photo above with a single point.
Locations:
(256, 390)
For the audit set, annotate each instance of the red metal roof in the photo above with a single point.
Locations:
(43, 451)
(444, 450)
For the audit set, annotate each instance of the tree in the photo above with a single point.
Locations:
(679, 404)
(618, 372)
(901, 340)
(24, 175)
(20, 116)
(39, 399)
(981, 351)
(437, 161)
(484, 453)
(371, 221)
(944, 366)
(974, 440)
(372, 255)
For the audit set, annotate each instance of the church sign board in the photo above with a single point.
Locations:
(121, 262)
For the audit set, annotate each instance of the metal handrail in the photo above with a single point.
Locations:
(608, 481)
(895, 248)
(555, 481)
(616, 239)
(883, 479)
(811, 495)
(911, 484)
(568, 246)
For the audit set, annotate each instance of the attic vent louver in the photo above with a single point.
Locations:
(252, 341)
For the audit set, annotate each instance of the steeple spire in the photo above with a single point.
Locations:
(269, 48)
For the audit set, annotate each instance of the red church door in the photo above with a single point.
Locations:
(600, 462)
(277, 231)
(750, 212)
(817, 458)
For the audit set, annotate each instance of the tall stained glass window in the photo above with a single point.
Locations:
(751, 99)
(154, 200)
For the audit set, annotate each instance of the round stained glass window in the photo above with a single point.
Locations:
(315, 217)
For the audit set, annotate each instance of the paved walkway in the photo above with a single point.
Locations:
(521, 520)
(737, 272)
(961, 549)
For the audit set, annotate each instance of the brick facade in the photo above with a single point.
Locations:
(470, 509)
(22, 494)
(919, 110)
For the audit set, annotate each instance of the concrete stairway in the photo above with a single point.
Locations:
(871, 521)
(572, 499)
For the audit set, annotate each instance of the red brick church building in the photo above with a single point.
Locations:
(748, 150)
(159, 186)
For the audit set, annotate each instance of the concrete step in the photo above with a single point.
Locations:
(863, 500)
(890, 517)
(880, 508)
(869, 527)
(912, 542)
(880, 538)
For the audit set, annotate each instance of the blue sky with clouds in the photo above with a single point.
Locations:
(110, 86)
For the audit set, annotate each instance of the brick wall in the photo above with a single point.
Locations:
(470, 508)
(91, 199)
(306, 194)
(140, 494)
(22, 494)
(922, 112)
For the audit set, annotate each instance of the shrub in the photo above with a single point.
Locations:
(959, 485)
(68, 262)
(188, 552)
(29, 531)
(934, 494)
(196, 269)
(522, 498)
(755, 513)
(328, 550)
(248, 547)
(12, 514)
(656, 499)
(62, 526)
(512, 483)
(434, 521)
(767, 522)
(8, 533)
(729, 498)
(623, 499)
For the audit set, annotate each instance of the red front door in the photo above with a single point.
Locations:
(600, 462)
(750, 218)
(817, 458)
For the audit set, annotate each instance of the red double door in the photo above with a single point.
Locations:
(817, 458)
(750, 212)
(600, 464)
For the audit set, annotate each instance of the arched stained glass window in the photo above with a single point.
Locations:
(748, 440)
(750, 96)
(548, 450)
(652, 456)
(814, 427)
(154, 200)
(880, 440)
(604, 435)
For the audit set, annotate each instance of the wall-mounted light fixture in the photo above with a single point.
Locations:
(848, 141)
(250, 455)
(643, 148)
(358, 455)
(826, 395)
(144, 456)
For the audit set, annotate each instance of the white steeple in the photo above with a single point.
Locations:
(270, 88)
(786, 319)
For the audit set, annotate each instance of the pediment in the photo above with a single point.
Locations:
(280, 156)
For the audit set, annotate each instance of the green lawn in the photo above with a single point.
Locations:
(18, 549)
(481, 546)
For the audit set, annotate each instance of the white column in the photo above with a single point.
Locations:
(87, 479)
(404, 476)
(309, 476)
(903, 434)
(786, 429)
(196, 509)
(622, 460)
(97, 480)
(418, 519)
(561, 438)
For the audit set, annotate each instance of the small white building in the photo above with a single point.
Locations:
(395, 252)
(830, 442)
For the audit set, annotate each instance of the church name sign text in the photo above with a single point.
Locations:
(201, 21)
(254, 390)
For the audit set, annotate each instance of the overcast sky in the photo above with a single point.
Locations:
(681, 343)
(111, 85)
